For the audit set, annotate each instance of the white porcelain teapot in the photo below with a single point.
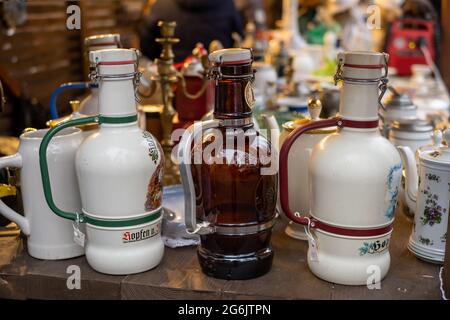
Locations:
(89, 105)
(298, 161)
(427, 194)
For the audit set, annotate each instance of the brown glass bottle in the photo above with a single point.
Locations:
(231, 192)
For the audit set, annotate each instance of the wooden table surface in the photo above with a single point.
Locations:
(179, 276)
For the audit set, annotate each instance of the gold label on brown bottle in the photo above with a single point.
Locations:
(249, 95)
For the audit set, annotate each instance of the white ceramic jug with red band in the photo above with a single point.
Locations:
(354, 177)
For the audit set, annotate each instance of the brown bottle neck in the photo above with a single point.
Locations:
(234, 93)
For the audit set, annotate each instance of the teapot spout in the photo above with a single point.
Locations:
(273, 130)
(412, 178)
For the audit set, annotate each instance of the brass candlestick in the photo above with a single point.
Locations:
(167, 77)
(291, 87)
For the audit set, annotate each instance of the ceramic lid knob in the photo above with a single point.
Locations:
(437, 137)
(314, 108)
(447, 136)
(74, 104)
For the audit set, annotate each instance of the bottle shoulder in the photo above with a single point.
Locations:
(127, 144)
(233, 147)
(359, 150)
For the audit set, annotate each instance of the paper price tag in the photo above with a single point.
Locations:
(313, 251)
(78, 236)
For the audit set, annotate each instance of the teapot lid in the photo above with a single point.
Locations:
(399, 101)
(315, 108)
(440, 154)
(412, 125)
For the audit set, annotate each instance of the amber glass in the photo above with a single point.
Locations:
(231, 192)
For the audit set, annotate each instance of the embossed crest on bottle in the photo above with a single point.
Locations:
(249, 95)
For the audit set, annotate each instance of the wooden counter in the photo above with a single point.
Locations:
(179, 276)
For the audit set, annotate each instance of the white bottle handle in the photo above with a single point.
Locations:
(185, 155)
(14, 161)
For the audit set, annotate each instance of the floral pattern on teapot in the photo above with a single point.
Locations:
(433, 211)
(426, 241)
(392, 190)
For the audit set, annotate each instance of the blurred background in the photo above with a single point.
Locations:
(38, 52)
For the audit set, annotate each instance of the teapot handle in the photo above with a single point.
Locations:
(185, 155)
(64, 87)
(14, 161)
(283, 167)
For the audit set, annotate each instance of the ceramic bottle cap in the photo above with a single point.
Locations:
(362, 57)
(440, 154)
(362, 64)
(231, 56)
(114, 61)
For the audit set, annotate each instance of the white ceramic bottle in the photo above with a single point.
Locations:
(119, 173)
(354, 180)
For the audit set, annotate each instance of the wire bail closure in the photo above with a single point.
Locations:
(95, 76)
(383, 80)
(215, 72)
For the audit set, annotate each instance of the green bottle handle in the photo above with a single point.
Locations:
(43, 157)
